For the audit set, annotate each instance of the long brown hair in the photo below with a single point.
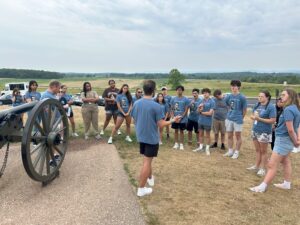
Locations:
(293, 98)
(128, 95)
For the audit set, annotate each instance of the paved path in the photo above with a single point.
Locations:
(92, 189)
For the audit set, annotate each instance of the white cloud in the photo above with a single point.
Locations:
(144, 35)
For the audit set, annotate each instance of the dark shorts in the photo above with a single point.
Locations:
(192, 125)
(181, 126)
(149, 150)
(120, 114)
(111, 111)
(204, 127)
(71, 114)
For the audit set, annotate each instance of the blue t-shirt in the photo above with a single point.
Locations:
(18, 100)
(146, 113)
(48, 94)
(194, 114)
(207, 106)
(134, 99)
(221, 109)
(290, 113)
(33, 95)
(179, 105)
(237, 104)
(266, 112)
(164, 108)
(123, 101)
(168, 99)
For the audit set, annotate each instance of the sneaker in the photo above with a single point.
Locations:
(214, 145)
(160, 143)
(98, 137)
(283, 186)
(223, 147)
(207, 151)
(198, 149)
(102, 132)
(151, 181)
(128, 139)
(261, 172)
(110, 140)
(176, 146)
(75, 134)
(235, 155)
(296, 150)
(257, 189)
(57, 159)
(119, 132)
(228, 154)
(181, 147)
(144, 191)
(252, 168)
(86, 137)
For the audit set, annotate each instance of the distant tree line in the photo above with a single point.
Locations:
(30, 74)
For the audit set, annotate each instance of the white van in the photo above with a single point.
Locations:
(9, 87)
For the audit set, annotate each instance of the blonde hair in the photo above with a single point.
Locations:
(293, 98)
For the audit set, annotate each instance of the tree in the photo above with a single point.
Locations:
(175, 78)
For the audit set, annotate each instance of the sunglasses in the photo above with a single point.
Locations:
(140, 92)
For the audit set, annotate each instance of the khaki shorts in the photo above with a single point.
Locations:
(218, 126)
(233, 126)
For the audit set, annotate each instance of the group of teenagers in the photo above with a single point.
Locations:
(276, 124)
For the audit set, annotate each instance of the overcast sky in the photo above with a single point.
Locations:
(150, 36)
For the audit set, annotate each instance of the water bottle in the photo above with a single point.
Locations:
(256, 114)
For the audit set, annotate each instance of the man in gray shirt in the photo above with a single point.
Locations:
(219, 117)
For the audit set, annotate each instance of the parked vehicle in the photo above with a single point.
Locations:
(9, 87)
(78, 101)
(6, 99)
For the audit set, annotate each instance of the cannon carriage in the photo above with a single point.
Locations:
(44, 137)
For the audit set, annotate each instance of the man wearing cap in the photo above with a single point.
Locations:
(167, 99)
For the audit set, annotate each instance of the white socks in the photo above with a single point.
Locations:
(201, 146)
(230, 151)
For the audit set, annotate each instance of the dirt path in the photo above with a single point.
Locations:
(92, 189)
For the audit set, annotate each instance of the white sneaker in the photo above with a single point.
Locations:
(75, 134)
(86, 137)
(257, 189)
(98, 137)
(181, 147)
(261, 172)
(283, 186)
(176, 146)
(144, 191)
(252, 168)
(102, 132)
(228, 154)
(119, 132)
(128, 139)
(151, 181)
(110, 140)
(198, 149)
(235, 155)
(207, 151)
(296, 150)
(160, 143)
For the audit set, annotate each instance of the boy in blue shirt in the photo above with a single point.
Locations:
(237, 104)
(167, 99)
(148, 117)
(179, 106)
(193, 116)
(206, 110)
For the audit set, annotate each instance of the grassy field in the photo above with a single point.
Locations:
(75, 85)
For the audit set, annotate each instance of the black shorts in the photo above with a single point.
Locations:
(149, 150)
(181, 126)
(71, 114)
(192, 125)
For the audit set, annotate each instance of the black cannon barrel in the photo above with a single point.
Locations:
(18, 109)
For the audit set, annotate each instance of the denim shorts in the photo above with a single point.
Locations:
(283, 145)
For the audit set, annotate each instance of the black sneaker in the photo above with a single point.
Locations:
(214, 145)
(223, 146)
(57, 160)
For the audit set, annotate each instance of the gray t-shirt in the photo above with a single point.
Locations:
(221, 109)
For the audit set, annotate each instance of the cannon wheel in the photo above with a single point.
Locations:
(45, 140)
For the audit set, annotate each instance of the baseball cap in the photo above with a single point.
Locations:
(164, 88)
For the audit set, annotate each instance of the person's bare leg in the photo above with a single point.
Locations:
(287, 168)
(107, 120)
(272, 167)
(238, 136)
(258, 153)
(161, 130)
(264, 155)
(176, 135)
(190, 137)
(181, 136)
(207, 137)
(72, 123)
(216, 137)
(145, 172)
(117, 126)
(230, 140)
(128, 122)
(201, 136)
(223, 138)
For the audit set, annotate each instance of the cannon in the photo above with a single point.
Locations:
(44, 138)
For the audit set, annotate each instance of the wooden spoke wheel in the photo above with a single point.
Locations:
(45, 140)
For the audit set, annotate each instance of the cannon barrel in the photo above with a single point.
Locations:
(17, 110)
